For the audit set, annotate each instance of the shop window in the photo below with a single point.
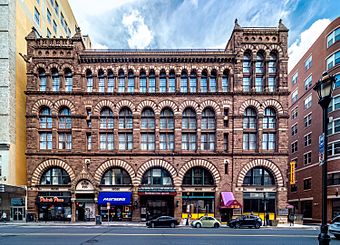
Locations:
(307, 209)
(157, 176)
(259, 177)
(198, 176)
(116, 176)
(55, 176)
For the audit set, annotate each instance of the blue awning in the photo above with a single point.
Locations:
(114, 198)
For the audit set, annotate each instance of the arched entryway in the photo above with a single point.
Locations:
(85, 200)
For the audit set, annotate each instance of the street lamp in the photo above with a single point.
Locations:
(324, 88)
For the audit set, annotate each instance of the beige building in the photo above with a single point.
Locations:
(49, 18)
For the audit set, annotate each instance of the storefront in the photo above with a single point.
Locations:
(18, 209)
(229, 206)
(260, 203)
(196, 204)
(85, 201)
(54, 206)
(115, 206)
(156, 201)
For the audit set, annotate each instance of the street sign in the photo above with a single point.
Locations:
(321, 148)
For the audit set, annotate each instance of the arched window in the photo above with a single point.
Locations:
(212, 81)
(272, 69)
(131, 82)
(157, 176)
(172, 81)
(167, 125)
(101, 81)
(198, 176)
(272, 63)
(250, 129)
(184, 82)
(116, 176)
(55, 80)
(147, 130)
(125, 129)
(110, 81)
(269, 129)
(269, 120)
(89, 81)
(106, 118)
(259, 176)
(189, 126)
(246, 82)
(68, 80)
(121, 81)
(152, 82)
(65, 120)
(208, 127)
(45, 122)
(193, 82)
(204, 82)
(162, 81)
(55, 176)
(42, 80)
(142, 81)
(225, 83)
(259, 72)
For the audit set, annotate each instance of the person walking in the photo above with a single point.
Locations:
(4, 217)
(267, 219)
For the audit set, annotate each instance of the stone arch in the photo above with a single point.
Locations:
(83, 176)
(110, 164)
(188, 103)
(274, 104)
(146, 103)
(211, 104)
(132, 68)
(277, 48)
(40, 103)
(38, 66)
(244, 49)
(42, 167)
(250, 102)
(52, 66)
(124, 103)
(155, 163)
(199, 163)
(67, 65)
(103, 103)
(261, 163)
(167, 103)
(85, 68)
(67, 103)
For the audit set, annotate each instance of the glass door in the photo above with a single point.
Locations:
(17, 213)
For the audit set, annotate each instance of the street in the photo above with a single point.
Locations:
(85, 235)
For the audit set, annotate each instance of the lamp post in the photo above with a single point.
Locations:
(324, 88)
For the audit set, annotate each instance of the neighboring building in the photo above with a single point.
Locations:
(306, 125)
(50, 18)
(158, 132)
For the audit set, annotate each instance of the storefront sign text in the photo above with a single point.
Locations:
(51, 199)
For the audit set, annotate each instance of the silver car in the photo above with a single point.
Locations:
(334, 227)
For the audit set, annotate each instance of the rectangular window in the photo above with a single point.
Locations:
(333, 60)
(208, 141)
(307, 158)
(49, 16)
(271, 84)
(333, 179)
(188, 141)
(45, 141)
(121, 85)
(308, 102)
(172, 84)
(147, 142)
(110, 84)
(106, 141)
(131, 84)
(152, 84)
(333, 37)
(268, 141)
(308, 120)
(308, 82)
(55, 83)
(89, 85)
(125, 141)
(307, 184)
(259, 84)
(295, 78)
(294, 129)
(162, 85)
(308, 139)
(337, 81)
(212, 84)
(89, 141)
(184, 85)
(308, 63)
(142, 88)
(293, 188)
(62, 19)
(295, 95)
(225, 84)
(49, 34)
(249, 141)
(225, 142)
(246, 84)
(56, 8)
(68, 83)
(65, 141)
(101, 84)
(55, 27)
(167, 141)
(193, 84)
(37, 16)
(294, 147)
(295, 113)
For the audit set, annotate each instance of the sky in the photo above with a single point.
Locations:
(176, 24)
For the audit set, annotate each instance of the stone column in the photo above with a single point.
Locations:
(48, 82)
(136, 132)
(73, 204)
(61, 82)
(178, 204)
(178, 133)
(135, 208)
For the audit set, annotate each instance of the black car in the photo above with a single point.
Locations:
(246, 221)
(163, 221)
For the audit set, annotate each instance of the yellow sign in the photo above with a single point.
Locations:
(292, 172)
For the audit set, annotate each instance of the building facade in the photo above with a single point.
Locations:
(50, 18)
(134, 134)
(306, 126)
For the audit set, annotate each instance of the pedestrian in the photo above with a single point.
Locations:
(291, 219)
(267, 219)
(4, 217)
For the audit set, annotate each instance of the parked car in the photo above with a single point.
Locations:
(246, 221)
(163, 221)
(206, 221)
(334, 227)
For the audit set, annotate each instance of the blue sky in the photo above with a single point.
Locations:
(120, 24)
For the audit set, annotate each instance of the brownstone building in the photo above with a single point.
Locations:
(306, 126)
(158, 132)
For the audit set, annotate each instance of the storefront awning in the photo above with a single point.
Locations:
(114, 198)
(159, 190)
(228, 201)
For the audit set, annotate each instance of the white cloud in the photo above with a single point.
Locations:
(305, 41)
(140, 34)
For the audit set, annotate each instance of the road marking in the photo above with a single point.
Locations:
(172, 235)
